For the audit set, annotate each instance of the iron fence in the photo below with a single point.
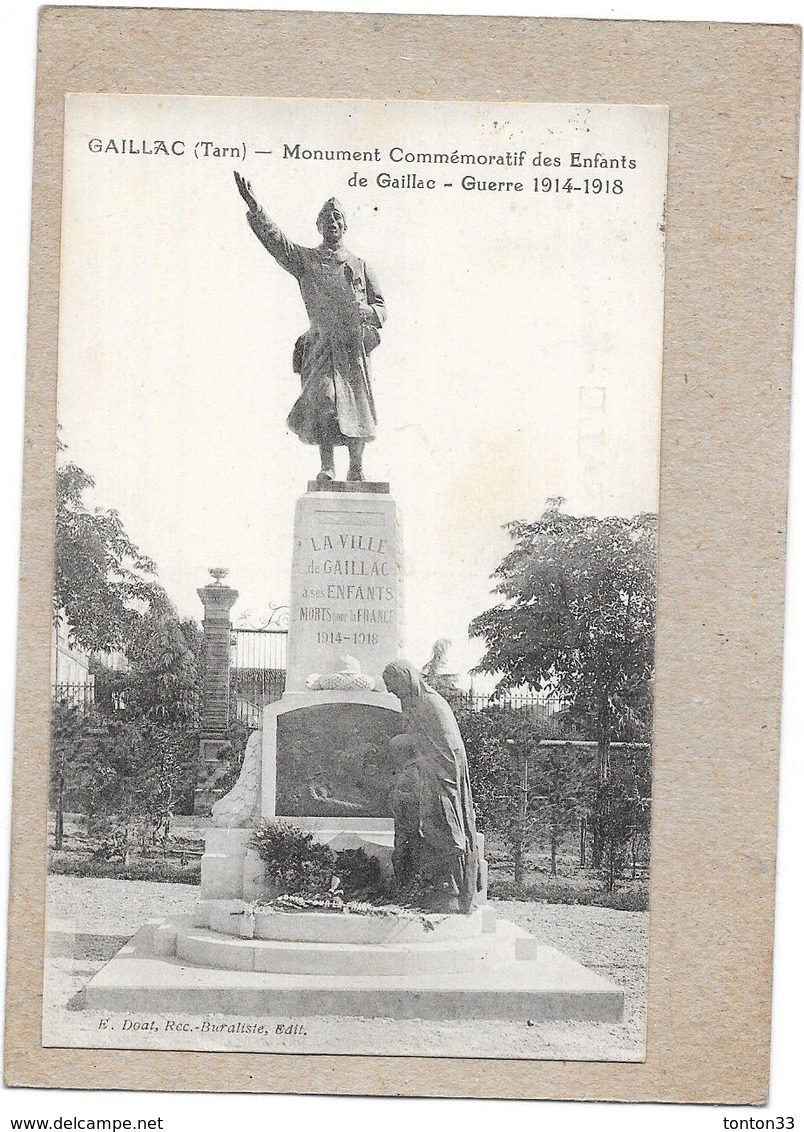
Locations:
(81, 696)
(109, 702)
(548, 713)
(259, 650)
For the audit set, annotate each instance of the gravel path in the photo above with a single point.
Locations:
(116, 907)
(612, 943)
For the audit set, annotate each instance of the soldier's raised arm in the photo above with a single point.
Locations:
(244, 188)
(285, 252)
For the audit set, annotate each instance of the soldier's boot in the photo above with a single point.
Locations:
(327, 472)
(355, 473)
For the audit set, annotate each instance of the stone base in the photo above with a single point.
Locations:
(501, 974)
(370, 487)
(234, 918)
(212, 769)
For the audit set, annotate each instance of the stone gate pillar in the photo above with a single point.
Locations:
(218, 600)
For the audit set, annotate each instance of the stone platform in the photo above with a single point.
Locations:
(364, 487)
(228, 959)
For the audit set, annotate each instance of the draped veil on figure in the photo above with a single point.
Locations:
(435, 832)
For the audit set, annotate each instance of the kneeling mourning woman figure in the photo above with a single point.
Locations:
(435, 839)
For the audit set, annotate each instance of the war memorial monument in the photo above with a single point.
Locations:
(359, 751)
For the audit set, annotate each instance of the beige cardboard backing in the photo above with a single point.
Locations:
(733, 95)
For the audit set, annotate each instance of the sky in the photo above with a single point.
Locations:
(520, 360)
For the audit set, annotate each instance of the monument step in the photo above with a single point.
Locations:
(236, 918)
(551, 987)
(206, 948)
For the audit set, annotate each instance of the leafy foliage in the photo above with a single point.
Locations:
(161, 684)
(129, 763)
(102, 580)
(127, 779)
(108, 592)
(358, 872)
(296, 865)
(560, 790)
(165, 872)
(498, 745)
(578, 613)
(634, 899)
(578, 617)
(531, 794)
(494, 739)
(70, 765)
(626, 804)
(294, 861)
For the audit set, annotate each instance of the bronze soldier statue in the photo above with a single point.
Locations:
(346, 311)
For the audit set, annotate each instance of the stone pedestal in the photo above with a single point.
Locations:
(346, 588)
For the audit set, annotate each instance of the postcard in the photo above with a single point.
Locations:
(390, 461)
(413, 828)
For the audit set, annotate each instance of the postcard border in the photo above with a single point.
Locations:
(725, 430)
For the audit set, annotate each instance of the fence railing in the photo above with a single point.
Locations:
(259, 649)
(251, 688)
(108, 701)
(80, 696)
(549, 713)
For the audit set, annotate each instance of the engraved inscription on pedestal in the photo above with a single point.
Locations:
(346, 592)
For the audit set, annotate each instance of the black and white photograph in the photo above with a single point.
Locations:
(355, 576)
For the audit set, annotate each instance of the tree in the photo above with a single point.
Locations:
(107, 590)
(68, 765)
(137, 771)
(102, 582)
(499, 746)
(560, 792)
(577, 617)
(627, 802)
(161, 683)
